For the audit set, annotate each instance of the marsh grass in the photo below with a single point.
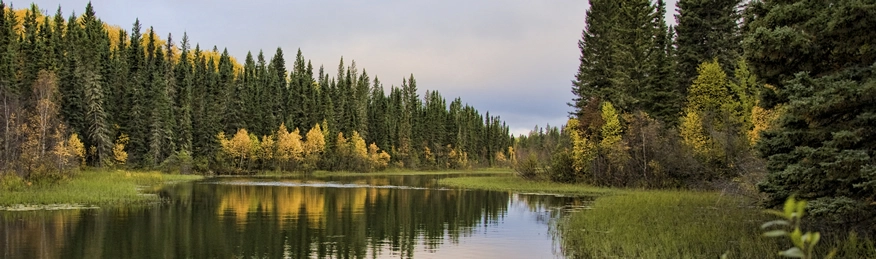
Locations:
(667, 224)
(92, 188)
(517, 184)
(624, 223)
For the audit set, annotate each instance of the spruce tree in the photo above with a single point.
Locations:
(660, 97)
(133, 121)
(597, 61)
(819, 58)
(707, 29)
(183, 103)
(90, 47)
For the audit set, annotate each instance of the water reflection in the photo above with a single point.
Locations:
(351, 217)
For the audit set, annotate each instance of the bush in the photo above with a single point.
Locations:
(528, 168)
(11, 182)
(180, 162)
(562, 167)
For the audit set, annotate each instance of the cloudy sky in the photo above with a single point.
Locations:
(513, 58)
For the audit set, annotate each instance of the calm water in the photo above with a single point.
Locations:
(345, 217)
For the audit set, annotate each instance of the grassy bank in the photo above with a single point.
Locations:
(92, 188)
(668, 224)
(647, 223)
(517, 184)
(385, 173)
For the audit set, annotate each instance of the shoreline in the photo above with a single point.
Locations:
(91, 189)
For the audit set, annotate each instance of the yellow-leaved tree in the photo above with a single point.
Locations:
(120, 156)
(255, 146)
(358, 153)
(238, 147)
(267, 150)
(379, 160)
(612, 145)
(313, 148)
(77, 148)
(709, 110)
(289, 147)
(583, 150)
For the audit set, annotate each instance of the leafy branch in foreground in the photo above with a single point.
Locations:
(791, 216)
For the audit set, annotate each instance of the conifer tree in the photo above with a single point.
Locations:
(660, 98)
(593, 79)
(819, 60)
(707, 29)
(183, 108)
(90, 47)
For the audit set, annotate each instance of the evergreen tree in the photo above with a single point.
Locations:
(818, 55)
(632, 55)
(597, 59)
(660, 97)
(707, 29)
(133, 121)
(183, 108)
(90, 46)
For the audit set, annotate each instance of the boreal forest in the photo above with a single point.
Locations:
(768, 99)
(78, 92)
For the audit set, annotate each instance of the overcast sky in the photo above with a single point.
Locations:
(513, 58)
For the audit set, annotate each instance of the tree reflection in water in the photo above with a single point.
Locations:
(353, 217)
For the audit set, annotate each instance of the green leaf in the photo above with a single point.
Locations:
(775, 233)
(789, 207)
(797, 237)
(792, 252)
(800, 208)
(815, 238)
(777, 222)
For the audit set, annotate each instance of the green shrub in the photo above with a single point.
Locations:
(562, 168)
(11, 182)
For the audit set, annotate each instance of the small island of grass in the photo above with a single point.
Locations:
(88, 188)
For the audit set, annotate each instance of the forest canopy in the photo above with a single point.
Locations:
(76, 91)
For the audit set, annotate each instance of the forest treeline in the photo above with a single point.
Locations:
(77, 92)
(766, 97)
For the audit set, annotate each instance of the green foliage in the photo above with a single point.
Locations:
(664, 224)
(528, 168)
(100, 188)
(169, 99)
(12, 183)
(707, 30)
(789, 226)
(823, 75)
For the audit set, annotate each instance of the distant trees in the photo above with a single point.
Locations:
(638, 122)
(135, 100)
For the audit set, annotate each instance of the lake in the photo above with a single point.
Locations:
(329, 217)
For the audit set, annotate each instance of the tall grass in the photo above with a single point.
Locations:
(624, 223)
(97, 188)
(517, 184)
(667, 224)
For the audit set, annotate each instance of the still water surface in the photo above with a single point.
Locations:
(338, 217)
